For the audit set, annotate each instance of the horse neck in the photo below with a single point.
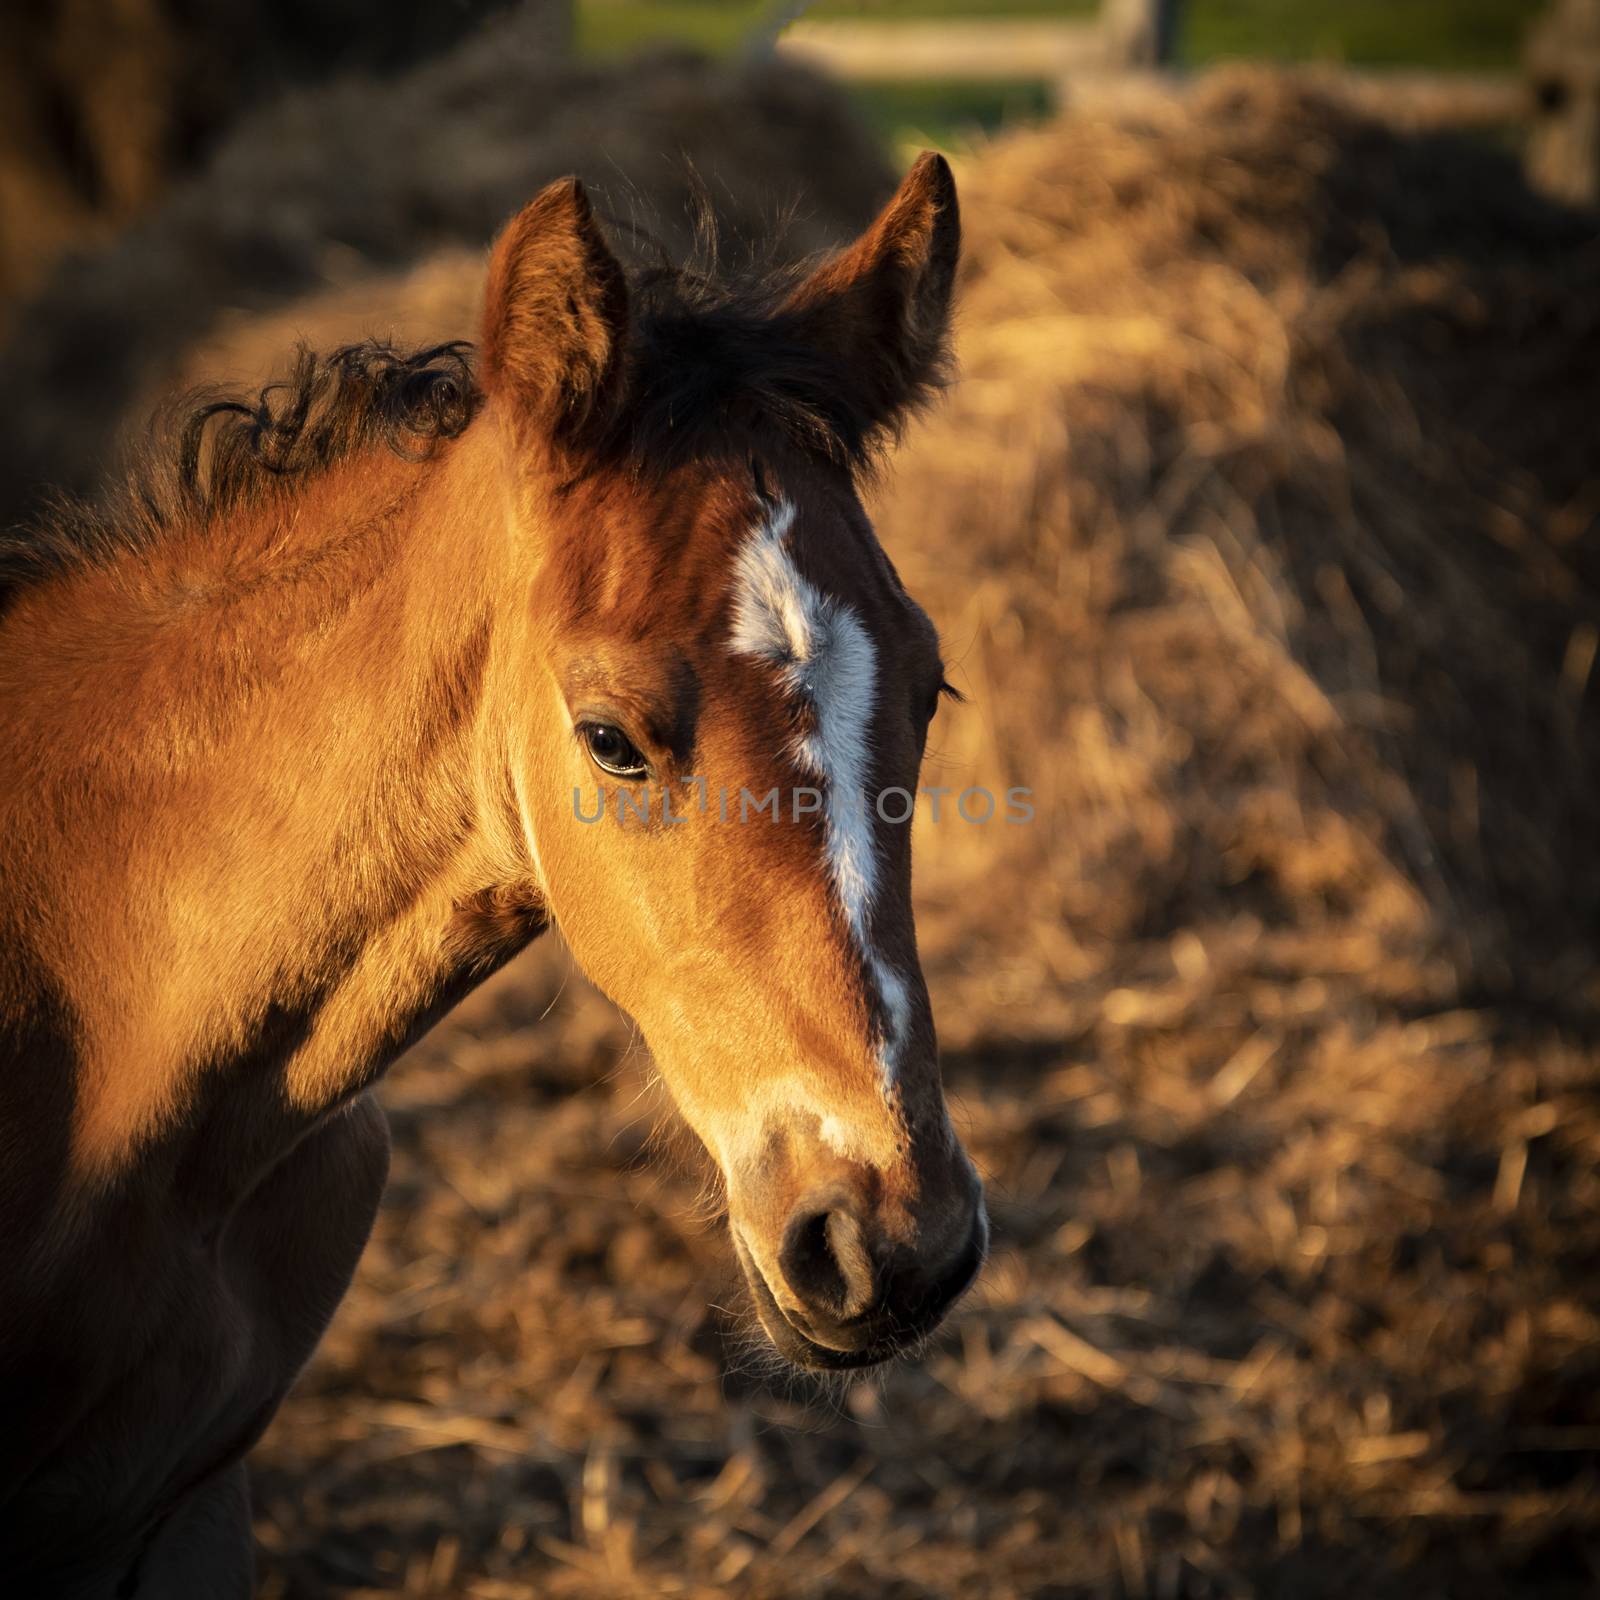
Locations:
(266, 790)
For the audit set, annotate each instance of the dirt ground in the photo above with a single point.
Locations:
(1262, 532)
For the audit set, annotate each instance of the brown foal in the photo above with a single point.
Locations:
(334, 712)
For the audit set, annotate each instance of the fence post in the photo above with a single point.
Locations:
(1562, 70)
(1139, 33)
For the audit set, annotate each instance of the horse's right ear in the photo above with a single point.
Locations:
(555, 314)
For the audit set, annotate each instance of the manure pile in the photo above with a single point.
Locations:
(1262, 533)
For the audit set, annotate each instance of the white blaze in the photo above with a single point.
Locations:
(828, 657)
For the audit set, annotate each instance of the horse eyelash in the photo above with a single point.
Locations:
(949, 692)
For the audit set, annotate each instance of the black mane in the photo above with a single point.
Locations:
(718, 368)
(214, 455)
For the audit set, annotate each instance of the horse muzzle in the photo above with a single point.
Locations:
(847, 1295)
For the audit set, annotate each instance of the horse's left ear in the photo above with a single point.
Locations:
(555, 313)
(881, 309)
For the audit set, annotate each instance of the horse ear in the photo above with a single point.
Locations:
(882, 307)
(555, 315)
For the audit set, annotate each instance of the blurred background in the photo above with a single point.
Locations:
(1263, 531)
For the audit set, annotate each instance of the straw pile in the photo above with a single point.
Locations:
(103, 106)
(328, 186)
(1262, 533)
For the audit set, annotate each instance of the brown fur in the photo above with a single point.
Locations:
(285, 769)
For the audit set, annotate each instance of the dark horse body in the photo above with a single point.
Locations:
(287, 770)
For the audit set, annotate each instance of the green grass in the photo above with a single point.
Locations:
(948, 113)
(613, 27)
(1482, 35)
(890, 9)
(940, 112)
(606, 27)
(609, 27)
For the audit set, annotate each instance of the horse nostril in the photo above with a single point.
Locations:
(826, 1263)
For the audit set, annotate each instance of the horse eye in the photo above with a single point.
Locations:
(945, 690)
(613, 751)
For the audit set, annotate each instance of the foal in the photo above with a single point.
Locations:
(298, 744)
